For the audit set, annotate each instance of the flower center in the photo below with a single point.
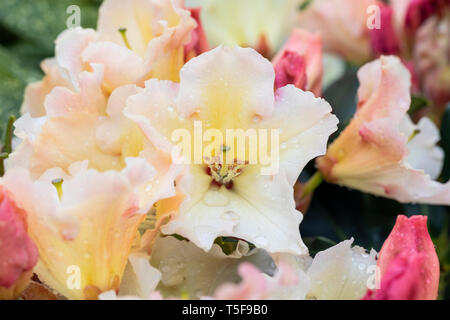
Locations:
(223, 173)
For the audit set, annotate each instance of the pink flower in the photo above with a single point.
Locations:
(299, 62)
(381, 151)
(18, 253)
(408, 263)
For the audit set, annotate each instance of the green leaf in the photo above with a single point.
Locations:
(305, 4)
(40, 21)
(417, 103)
(14, 80)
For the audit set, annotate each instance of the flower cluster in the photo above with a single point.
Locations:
(157, 158)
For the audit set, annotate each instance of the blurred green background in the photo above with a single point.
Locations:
(28, 29)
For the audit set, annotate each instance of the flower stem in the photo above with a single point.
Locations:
(312, 183)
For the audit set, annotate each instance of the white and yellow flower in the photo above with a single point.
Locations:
(222, 193)
(261, 24)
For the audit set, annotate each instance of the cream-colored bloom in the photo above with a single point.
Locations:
(381, 151)
(261, 24)
(342, 25)
(156, 32)
(225, 89)
(151, 47)
(86, 177)
(84, 226)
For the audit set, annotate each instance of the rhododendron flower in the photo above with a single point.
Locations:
(224, 194)
(83, 224)
(150, 43)
(18, 253)
(134, 41)
(261, 24)
(381, 151)
(343, 26)
(87, 179)
(299, 62)
(408, 263)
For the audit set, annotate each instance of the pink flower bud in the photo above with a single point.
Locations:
(299, 62)
(409, 266)
(18, 253)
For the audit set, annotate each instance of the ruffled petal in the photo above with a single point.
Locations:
(341, 272)
(227, 87)
(84, 227)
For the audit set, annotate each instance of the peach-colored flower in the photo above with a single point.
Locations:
(342, 24)
(18, 253)
(83, 225)
(104, 180)
(226, 89)
(156, 32)
(381, 151)
(408, 263)
(299, 62)
(134, 41)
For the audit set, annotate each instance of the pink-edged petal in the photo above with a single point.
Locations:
(89, 98)
(121, 65)
(69, 47)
